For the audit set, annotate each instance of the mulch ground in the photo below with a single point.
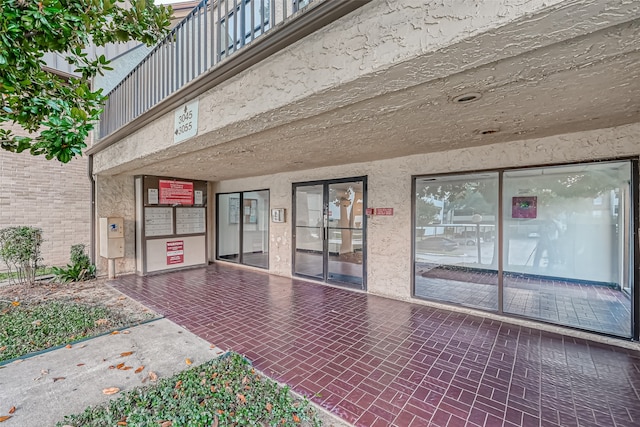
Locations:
(92, 292)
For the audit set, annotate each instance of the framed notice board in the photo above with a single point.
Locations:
(171, 223)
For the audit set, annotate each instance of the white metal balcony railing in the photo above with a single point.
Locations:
(214, 30)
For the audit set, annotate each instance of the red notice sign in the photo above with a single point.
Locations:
(524, 207)
(175, 252)
(369, 211)
(176, 192)
(384, 211)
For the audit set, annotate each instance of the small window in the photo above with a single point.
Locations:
(299, 4)
(237, 29)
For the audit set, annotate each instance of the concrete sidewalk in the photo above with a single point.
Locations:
(46, 387)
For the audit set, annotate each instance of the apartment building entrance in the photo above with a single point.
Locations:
(330, 231)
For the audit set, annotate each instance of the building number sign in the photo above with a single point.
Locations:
(185, 122)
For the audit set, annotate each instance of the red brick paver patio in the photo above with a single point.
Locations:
(380, 362)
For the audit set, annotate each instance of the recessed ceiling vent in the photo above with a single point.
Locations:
(488, 131)
(466, 98)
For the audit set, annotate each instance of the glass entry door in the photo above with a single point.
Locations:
(329, 221)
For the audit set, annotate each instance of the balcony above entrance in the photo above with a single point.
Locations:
(383, 80)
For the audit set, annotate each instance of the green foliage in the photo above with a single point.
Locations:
(25, 328)
(480, 195)
(79, 256)
(73, 273)
(20, 251)
(426, 212)
(80, 268)
(58, 112)
(228, 390)
(40, 271)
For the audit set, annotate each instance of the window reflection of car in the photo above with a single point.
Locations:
(436, 243)
(467, 241)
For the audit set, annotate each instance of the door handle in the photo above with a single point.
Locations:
(325, 230)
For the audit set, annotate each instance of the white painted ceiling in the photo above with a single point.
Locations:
(584, 83)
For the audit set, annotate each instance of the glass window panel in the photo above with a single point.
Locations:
(227, 37)
(236, 27)
(299, 4)
(309, 209)
(309, 255)
(566, 245)
(260, 18)
(456, 256)
(228, 219)
(345, 222)
(255, 231)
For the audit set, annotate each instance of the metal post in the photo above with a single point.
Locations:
(112, 268)
(478, 243)
(477, 219)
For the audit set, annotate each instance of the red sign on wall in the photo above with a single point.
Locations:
(176, 192)
(384, 211)
(175, 252)
(524, 207)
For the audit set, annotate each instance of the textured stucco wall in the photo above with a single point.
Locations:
(49, 195)
(347, 62)
(115, 197)
(389, 184)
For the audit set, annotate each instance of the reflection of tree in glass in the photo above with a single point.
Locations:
(473, 197)
(562, 193)
(480, 197)
(426, 212)
(568, 209)
(461, 198)
(551, 189)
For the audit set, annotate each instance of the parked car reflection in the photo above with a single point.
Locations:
(437, 243)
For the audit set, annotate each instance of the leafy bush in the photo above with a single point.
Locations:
(20, 251)
(80, 268)
(223, 392)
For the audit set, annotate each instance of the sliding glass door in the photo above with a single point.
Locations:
(566, 245)
(550, 243)
(456, 256)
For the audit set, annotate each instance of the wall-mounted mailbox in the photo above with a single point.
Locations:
(112, 237)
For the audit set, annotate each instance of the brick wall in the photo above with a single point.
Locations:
(46, 194)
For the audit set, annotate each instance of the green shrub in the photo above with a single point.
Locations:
(79, 257)
(20, 251)
(80, 268)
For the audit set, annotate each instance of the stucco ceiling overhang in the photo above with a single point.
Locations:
(586, 81)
